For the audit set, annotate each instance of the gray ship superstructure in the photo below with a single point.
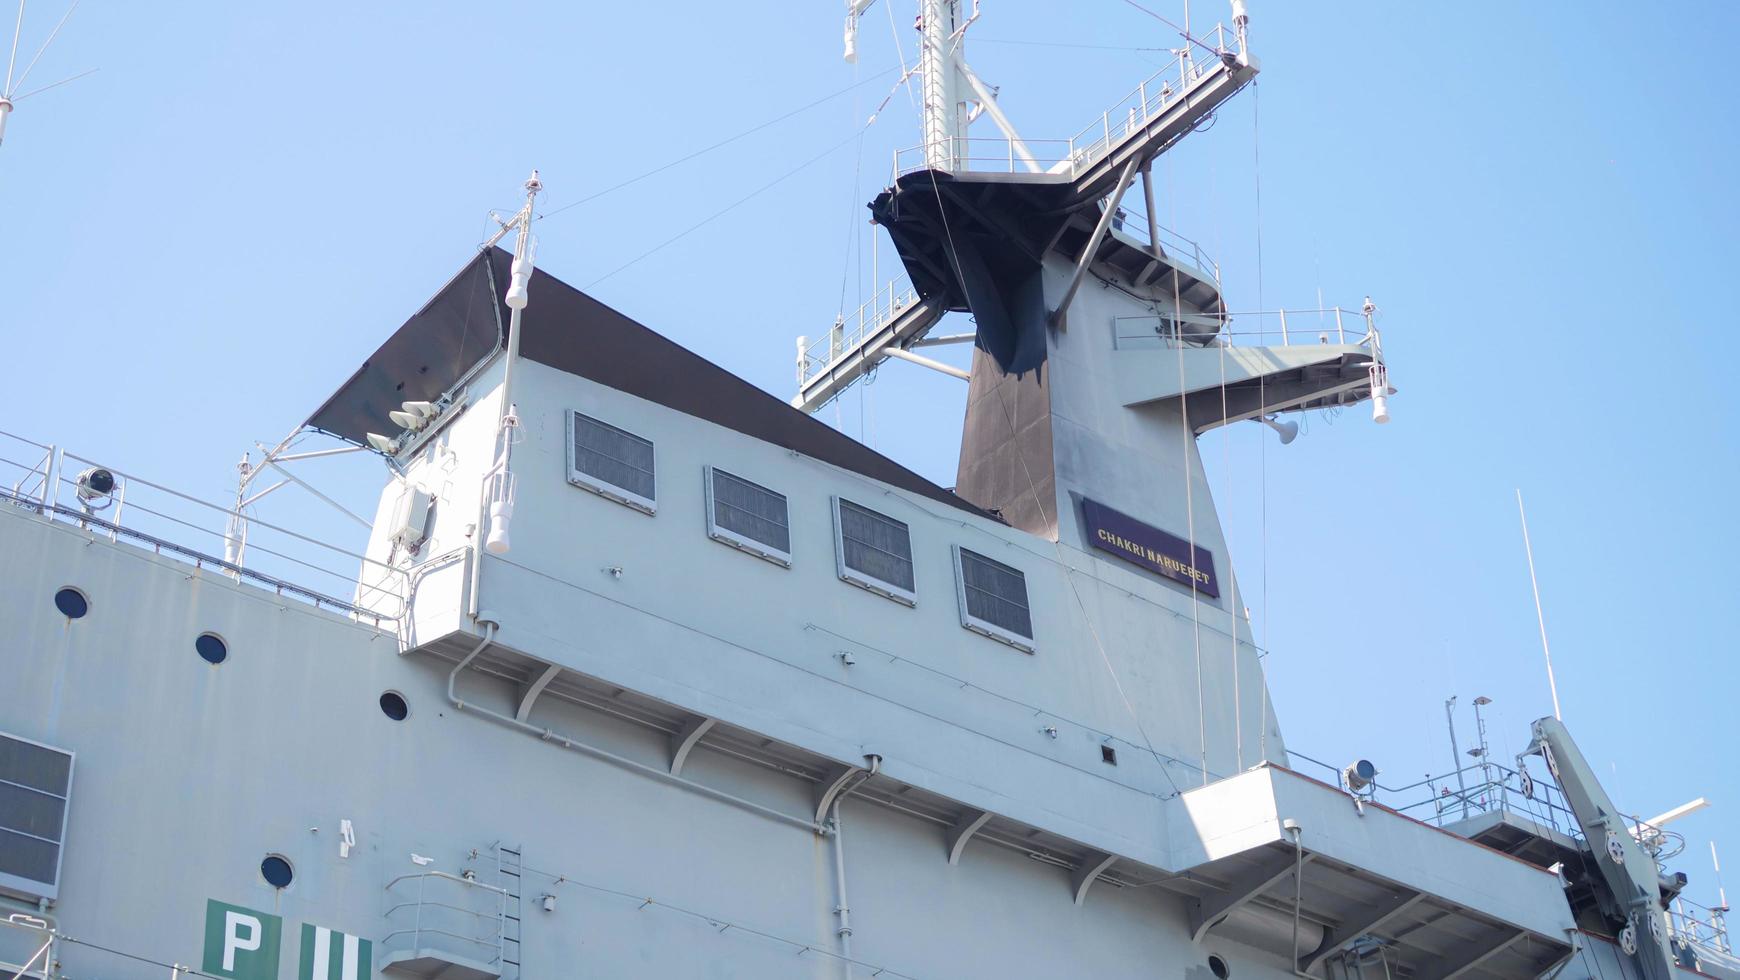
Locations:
(648, 673)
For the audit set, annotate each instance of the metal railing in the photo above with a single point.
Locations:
(452, 919)
(1328, 325)
(1700, 925)
(1491, 787)
(816, 356)
(1475, 789)
(44, 478)
(1132, 221)
(1148, 101)
(26, 947)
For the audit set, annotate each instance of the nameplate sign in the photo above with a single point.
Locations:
(1151, 548)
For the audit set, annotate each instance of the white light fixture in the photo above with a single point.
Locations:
(1358, 775)
(404, 420)
(1380, 392)
(1288, 431)
(384, 444)
(422, 410)
(520, 279)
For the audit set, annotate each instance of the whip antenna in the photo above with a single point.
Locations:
(1528, 549)
(9, 92)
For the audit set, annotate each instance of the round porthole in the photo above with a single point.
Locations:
(1217, 966)
(71, 603)
(393, 705)
(211, 648)
(277, 871)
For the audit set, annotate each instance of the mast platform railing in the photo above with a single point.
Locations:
(1151, 99)
(44, 479)
(818, 355)
(1267, 328)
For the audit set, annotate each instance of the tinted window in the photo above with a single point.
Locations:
(751, 511)
(875, 546)
(611, 456)
(34, 782)
(276, 871)
(211, 649)
(71, 603)
(996, 594)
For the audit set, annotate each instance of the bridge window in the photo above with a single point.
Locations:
(611, 462)
(993, 599)
(874, 551)
(35, 781)
(748, 516)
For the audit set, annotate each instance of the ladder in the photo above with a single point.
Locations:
(509, 868)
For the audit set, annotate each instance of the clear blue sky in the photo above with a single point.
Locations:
(203, 239)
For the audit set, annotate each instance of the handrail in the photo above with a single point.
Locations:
(1150, 99)
(1341, 326)
(495, 940)
(165, 516)
(458, 879)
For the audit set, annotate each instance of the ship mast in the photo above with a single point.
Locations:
(945, 121)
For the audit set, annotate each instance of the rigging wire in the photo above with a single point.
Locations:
(714, 146)
(1183, 32)
(1065, 44)
(1262, 404)
(900, 51)
(734, 205)
(852, 235)
(1188, 443)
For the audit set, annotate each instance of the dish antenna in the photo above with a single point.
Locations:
(9, 94)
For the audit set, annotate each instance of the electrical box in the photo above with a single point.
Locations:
(410, 525)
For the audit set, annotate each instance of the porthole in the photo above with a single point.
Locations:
(1217, 966)
(393, 705)
(211, 648)
(277, 871)
(71, 603)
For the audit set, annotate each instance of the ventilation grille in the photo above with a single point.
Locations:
(34, 783)
(995, 595)
(875, 547)
(613, 462)
(749, 515)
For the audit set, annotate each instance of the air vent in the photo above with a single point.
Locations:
(875, 551)
(34, 782)
(748, 516)
(611, 462)
(993, 599)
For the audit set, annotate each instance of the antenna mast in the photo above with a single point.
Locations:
(1540, 616)
(500, 485)
(944, 122)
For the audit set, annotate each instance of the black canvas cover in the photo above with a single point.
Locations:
(570, 331)
(463, 324)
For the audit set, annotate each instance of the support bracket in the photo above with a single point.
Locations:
(1370, 920)
(963, 831)
(1206, 913)
(534, 690)
(1082, 878)
(1472, 956)
(1092, 248)
(684, 740)
(838, 779)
